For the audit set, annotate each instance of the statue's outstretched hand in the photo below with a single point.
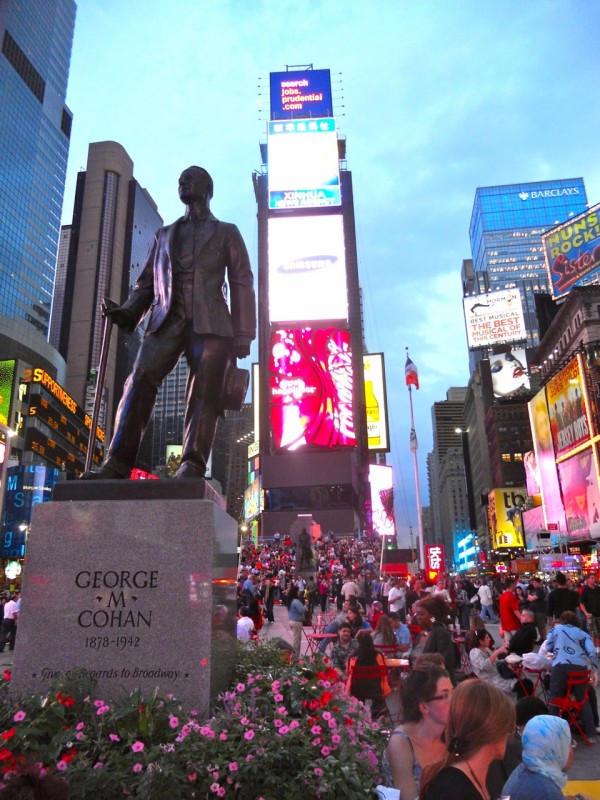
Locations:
(241, 346)
(123, 318)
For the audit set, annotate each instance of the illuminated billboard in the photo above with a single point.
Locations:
(434, 560)
(301, 93)
(581, 497)
(310, 386)
(382, 499)
(572, 251)
(505, 518)
(569, 416)
(494, 318)
(509, 372)
(543, 463)
(7, 376)
(303, 164)
(253, 504)
(307, 269)
(375, 402)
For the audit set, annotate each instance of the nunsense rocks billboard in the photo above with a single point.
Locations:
(303, 164)
(572, 251)
(494, 318)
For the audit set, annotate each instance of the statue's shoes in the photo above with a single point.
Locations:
(104, 473)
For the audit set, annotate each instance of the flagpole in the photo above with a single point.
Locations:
(414, 447)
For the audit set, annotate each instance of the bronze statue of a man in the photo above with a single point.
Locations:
(183, 285)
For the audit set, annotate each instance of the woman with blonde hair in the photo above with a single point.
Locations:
(480, 720)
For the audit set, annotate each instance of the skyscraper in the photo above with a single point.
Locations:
(114, 221)
(505, 233)
(35, 126)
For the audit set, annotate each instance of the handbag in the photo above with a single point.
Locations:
(505, 670)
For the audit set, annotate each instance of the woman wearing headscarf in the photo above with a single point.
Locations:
(547, 755)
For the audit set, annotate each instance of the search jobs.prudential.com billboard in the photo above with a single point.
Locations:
(307, 269)
(300, 94)
(494, 318)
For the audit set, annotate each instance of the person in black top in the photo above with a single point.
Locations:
(480, 720)
(536, 600)
(523, 640)
(561, 598)
(589, 603)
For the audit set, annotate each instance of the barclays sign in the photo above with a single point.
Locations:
(547, 193)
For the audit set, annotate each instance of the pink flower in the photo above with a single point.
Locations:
(249, 757)
(233, 766)
(240, 687)
(137, 747)
(294, 724)
(137, 767)
(244, 721)
(336, 738)
(99, 703)
(98, 765)
(221, 791)
(278, 723)
(80, 726)
(19, 716)
(214, 787)
(282, 710)
(113, 737)
(283, 730)
(191, 777)
(278, 698)
(249, 735)
(173, 721)
(315, 730)
(61, 765)
(318, 772)
(326, 716)
(223, 737)
(203, 663)
(80, 736)
(325, 751)
(102, 710)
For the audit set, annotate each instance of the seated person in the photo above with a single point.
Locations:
(345, 647)
(401, 632)
(245, 629)
(484, 662)
(334, 625)
(526, 636)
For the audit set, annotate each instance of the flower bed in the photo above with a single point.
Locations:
(283, 730)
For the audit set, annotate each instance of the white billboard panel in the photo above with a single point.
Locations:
(307, 269)
(494, 318)
(381, 478)
(303, 164)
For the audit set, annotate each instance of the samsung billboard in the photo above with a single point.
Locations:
(311, 388)
(303, 164)
(307, 269)
(301, 94)
(494, 318)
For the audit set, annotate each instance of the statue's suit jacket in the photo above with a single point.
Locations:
(222, 250)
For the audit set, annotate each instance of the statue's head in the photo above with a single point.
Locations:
(195, 184)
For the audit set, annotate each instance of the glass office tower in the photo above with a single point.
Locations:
(506, 227)
(36, 38)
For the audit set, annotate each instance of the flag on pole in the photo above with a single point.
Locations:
(411, 374)
(413, 444)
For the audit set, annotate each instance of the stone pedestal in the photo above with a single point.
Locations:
(139, 591)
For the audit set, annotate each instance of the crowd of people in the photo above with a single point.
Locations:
(457, 737)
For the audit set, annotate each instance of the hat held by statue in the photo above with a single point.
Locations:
(235, 386)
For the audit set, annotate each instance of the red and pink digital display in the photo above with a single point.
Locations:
(311, 385)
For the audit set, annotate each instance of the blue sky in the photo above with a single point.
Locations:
(435, 99)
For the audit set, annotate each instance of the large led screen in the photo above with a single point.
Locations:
(494, 318)
(569, 417)
(7, 375)
(381, 479)
(301, 93)
(375, 402)
(307, 269)
(543, 463)
(311, 384)
(509, 372)
(581, 497)
(572, 251)
(303, 164)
